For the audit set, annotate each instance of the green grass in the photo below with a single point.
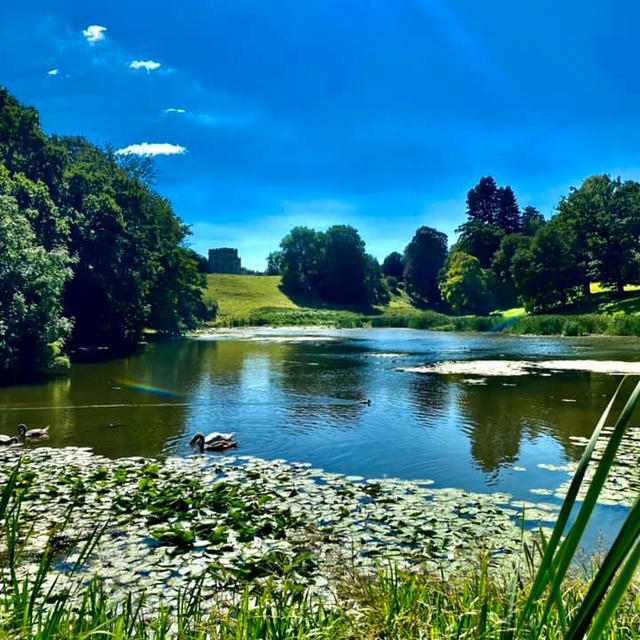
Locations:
(240, 296)
(540, 600)
(259, 301)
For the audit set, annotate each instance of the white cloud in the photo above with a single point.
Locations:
(53, 72)
(173, 110)
(152, 149)
(149, 65)
(94, 33)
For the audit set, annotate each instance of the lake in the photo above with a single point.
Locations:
(358, 402)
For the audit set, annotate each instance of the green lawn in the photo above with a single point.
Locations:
(240, 296)
(607, 301)
(258, 301)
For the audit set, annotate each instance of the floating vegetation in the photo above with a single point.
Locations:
(231, 521)
(523, 367)
(623, 484)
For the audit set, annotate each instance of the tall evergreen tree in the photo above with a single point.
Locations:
(531, 220)
(507, 215)
(482, 201)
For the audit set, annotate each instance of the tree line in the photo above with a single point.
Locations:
(90, 254)
(504, 255)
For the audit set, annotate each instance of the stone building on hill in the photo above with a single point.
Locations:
(224, 260)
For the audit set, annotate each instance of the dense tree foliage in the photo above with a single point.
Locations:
(602, 220)
(482, 201)
(331, 266)
(479, 239)
(32, 326)
(424, 257)
(544, 270)
(393, 265)
(507, 217)
(505, 289)
(89, 209)
(465, 285)
(531, 220)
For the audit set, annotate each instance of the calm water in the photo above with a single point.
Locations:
(304, 401)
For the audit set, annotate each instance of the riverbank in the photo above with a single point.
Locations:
(257, 301)
(242, 547)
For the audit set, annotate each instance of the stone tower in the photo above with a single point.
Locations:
(224, 260)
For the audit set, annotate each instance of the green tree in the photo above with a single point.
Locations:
(393, 265)
(532, 220)
(32, 327)
(483, 201)
(507, 217)
(344, 268)
(544, 272)
(505, 292)
(466, 286)
(480, 240)
(302, 253)
(377, 289)
(602, 218)
(424, 256)
(274, 263)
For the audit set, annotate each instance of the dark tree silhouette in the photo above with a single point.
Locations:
(424, 256)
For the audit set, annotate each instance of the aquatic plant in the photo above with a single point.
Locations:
(540, 599)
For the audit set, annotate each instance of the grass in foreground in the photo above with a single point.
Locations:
(540, 601)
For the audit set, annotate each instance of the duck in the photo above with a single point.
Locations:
(8, 440)
(25, 433)
(219, 444)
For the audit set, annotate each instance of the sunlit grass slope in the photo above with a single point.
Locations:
(245, 300)
(240, 296)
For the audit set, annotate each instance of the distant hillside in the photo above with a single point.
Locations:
(258, 300)
(240, 296)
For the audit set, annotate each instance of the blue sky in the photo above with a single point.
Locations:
(376, 113)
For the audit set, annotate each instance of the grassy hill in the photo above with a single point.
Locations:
(240, 296)
(258, 301)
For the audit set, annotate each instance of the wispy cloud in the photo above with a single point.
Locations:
(214, 119)
(152, 149)
(94, 33)
(149, 65)
(221, 119)
(53, 72)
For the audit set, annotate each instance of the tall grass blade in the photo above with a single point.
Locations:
(569, 547)
(543, 575)
(615, 595)
(621, 548)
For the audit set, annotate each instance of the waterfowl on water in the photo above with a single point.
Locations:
(214, 436)
(8, 440)
(219, 444)
(24, 433)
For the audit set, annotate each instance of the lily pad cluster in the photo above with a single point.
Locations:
(226, 522)
(623, 483)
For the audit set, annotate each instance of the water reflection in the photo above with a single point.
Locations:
(332, 404)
